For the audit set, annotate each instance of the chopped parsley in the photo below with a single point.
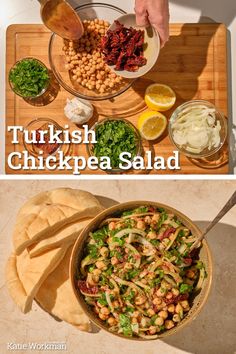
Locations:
(113, 138)
(29, 77)
(185, 288)
(119, 241)
(125, 325)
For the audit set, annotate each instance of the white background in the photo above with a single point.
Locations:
(27, 11)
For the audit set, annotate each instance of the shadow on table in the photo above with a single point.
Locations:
(213, 331)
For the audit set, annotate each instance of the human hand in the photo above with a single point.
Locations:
(156, 13)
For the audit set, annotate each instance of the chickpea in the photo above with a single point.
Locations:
(101, 265)
(165, 285)
(111, 321)
(156, 217)
(152, 235)
(134, 320)
(169, 295)
(157, 301)
(152, 330)
(116, 304)
(104, 251)
(140, 299)
(163, 314)
(135, 314)
(176, 318)
(175, 292)
(179, 310)
(105, 311)
(150, 312)
(141, 225)
(102, 317)
(159, 321)
(112, 225)
(171, 308)
(185, 305)
(114, 260)
(169, 324)
(190, 274)
(161, 292)
(74, 77)
(97, 271)
(128, 266)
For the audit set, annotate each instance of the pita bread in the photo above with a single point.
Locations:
(15, 287)
(47, 212)
(56, 296)
(33, 271)
(69, 233)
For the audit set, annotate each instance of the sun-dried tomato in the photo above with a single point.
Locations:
(123, 48)
(85, 289)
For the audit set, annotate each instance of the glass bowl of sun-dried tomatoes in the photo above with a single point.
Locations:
(79, 66)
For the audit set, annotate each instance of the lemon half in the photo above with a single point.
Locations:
(152, 125)
(159, 97)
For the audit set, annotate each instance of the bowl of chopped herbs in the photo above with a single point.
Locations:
(29, 78)
(116, 139)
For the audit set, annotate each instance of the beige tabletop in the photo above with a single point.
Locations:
(212, 332)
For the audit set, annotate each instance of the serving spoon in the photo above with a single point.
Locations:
(229, 205)
(62, 19)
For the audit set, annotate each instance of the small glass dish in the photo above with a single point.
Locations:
(35, 149)
(139, 148)
(219, 117)
(57, 58)
(35, 97)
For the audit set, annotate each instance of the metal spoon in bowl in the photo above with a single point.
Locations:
(61, 19)
(229, 205)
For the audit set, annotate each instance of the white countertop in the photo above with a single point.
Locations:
(212, 332)
(27, 11)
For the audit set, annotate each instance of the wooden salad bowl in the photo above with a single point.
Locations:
(198, 301)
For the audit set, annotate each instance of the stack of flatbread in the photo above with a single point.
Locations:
(46, 229)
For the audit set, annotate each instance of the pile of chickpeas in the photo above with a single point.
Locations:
(85, 60)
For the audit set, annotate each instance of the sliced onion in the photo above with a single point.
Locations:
(196, 129)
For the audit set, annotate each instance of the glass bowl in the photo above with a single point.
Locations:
(89, 146)
(18, 93)
(42, 124)
(57, 57)
(219, 117)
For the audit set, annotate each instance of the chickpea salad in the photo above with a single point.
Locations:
(138, 274)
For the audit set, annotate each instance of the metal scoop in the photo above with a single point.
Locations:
(61, 19)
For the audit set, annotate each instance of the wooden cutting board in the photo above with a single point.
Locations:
(193, 63)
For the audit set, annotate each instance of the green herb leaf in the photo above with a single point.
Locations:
(29, 77)
(119, 241)
(185, 288)
(114, 137)
(102, 300)
(125, 325)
